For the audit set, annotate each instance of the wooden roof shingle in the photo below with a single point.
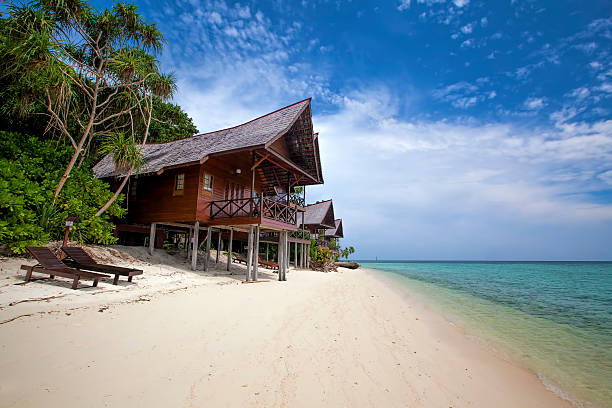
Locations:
(253, 134)
(319, 215)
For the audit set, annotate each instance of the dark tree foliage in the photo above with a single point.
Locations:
(169, 123)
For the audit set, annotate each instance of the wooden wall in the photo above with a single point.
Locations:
(226, 183)
(156, 201)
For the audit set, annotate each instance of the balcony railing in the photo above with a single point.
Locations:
(322, 243)
(253, 207)
(301, 234)
(273, 236)
(294, 198)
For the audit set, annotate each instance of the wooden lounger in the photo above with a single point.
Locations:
(49, 264)
(78, 258)
(269, 265)
(239, 258)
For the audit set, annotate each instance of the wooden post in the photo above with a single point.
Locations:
(194, 245)
(208, 239)
(249, 254)
(188, 243)
(218, 247)
(252, 192)
(288, 251)
(295, 256)
(152, 238)
(229, 251)
(256, 253)
(267, 247)
(281, 259)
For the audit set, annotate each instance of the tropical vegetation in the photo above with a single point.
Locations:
(76, 83)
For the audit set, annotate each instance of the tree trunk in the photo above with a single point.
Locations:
(144, 140)
(79, 148)
(114, 197)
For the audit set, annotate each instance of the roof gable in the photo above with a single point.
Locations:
(335, 232)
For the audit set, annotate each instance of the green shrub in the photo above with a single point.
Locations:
(29, 171)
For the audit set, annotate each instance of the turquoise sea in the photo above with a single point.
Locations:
(555, 318)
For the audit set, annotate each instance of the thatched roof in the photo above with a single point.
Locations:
(318, 215)
(293, 121)
(335, 232)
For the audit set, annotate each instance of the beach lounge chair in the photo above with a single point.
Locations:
(50, 265)
(269, 265)
(78, 258)
(239, 258)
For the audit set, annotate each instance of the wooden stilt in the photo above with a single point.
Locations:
(194, 245)
(152, 238)
(288, 251)
(188, 243)
(281, 259)
(267, 248)
(218, 247)
(249, 254)
(208, 239)
(229, 251)
(256, 253)
(295, 256)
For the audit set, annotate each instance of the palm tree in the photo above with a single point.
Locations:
(94, 71)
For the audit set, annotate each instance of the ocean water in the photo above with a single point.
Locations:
(555, 318)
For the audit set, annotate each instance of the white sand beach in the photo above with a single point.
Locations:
(178, 338)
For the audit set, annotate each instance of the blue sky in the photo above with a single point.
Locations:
(455, 129)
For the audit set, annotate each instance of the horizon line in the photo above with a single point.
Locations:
(475, 260)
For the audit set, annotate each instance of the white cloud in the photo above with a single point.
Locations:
(467, 29)
(495, 168)
(606, 176)
(606, 87)
(535, 103)
(580, 93)
(404, 4)
(484, 21)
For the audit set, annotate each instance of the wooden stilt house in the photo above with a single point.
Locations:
(232, 181)
(319, 217)
(332, 235)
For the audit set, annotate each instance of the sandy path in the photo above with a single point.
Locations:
(337, 339)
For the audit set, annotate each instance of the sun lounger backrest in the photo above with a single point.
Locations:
(45, 257)
(79, 255)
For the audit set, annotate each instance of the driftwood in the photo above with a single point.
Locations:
(350, 265)
(323, 266)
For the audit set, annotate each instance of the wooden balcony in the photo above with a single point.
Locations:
(254, 210)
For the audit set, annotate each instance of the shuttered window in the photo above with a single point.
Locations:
(208, 182)
(179, 182)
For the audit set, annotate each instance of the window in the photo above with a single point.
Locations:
(133, 188)
(208, 182)
(179, 183)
